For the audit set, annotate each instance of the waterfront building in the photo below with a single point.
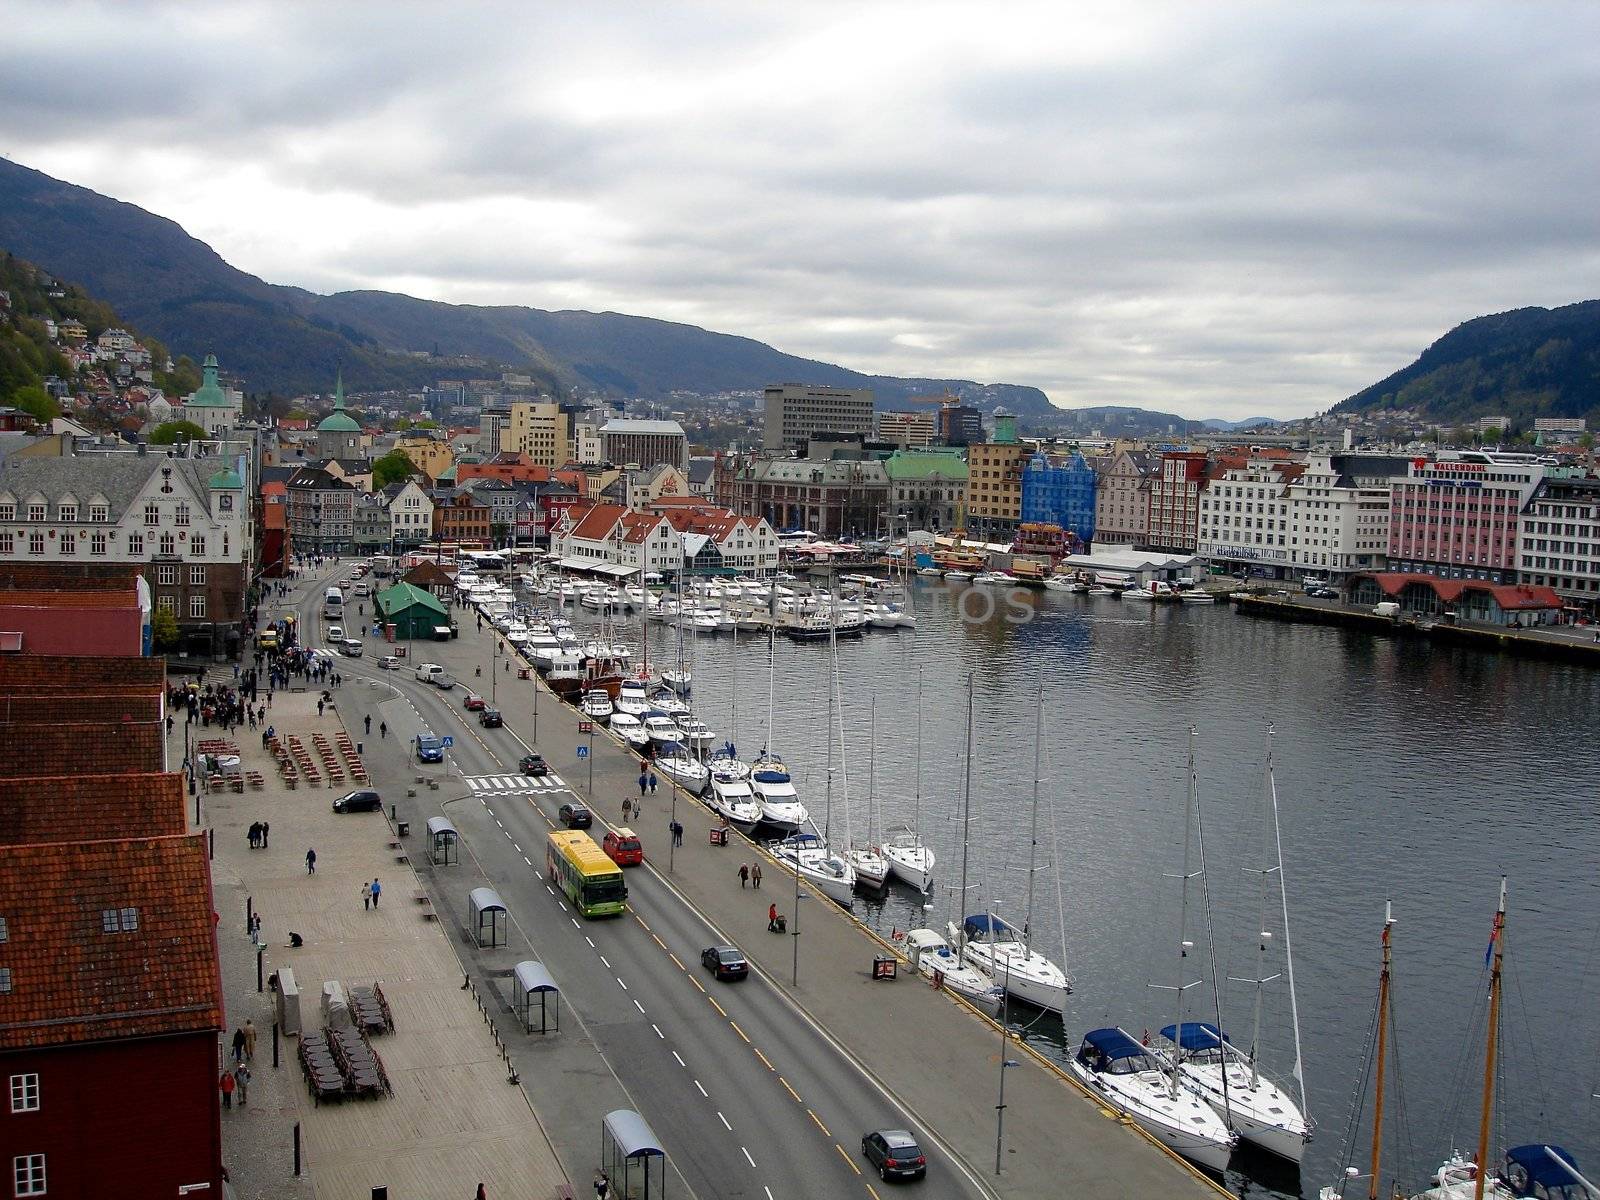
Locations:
(586, 441)
(625, 442)
(905, 429)
(1175, 501)
(1457, 516)
(461, 516)
(1122, 499)
(1244, 512)
(370, 529)
(994, 480)
(410, 511)
(925, 488)
(1558, 542)
(795, 412)
(1515, 605)
(540, 431)
(338, 435)
(1339, 514)
(832, 498)
(1060, 490)
(492, 422)
(611, 539)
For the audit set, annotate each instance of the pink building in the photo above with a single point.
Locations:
(1457, 518)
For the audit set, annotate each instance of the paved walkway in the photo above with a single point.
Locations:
(452, 1121)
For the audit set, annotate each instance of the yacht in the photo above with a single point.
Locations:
(1101, 589)
(697, 734)
(1130, 1079)
(1196, 596)
(565, 673)
(774, 790)
(1143, 592)
(818, 865)
(994, 578)
(725, 760)
(909, 859)
(1252, 1104)
(663, 730)
(667, 701)
(871, 867)
(731, 796)
(632, 699)
(930, 954)
(678, 763)
(630, 729)
(1059, 583)
(994, 947)
(597, 706)
(677, 678)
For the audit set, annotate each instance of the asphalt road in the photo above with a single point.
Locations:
(748, 1096)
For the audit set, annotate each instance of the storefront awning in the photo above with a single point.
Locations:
(616, 570)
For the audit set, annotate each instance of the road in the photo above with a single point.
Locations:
(747, 1095)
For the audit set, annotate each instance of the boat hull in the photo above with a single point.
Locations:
(1204, 1152)
(909, 873)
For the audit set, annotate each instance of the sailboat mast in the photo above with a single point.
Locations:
(966, 805)
(1383, 1051)
(1033, 830)
(1183, 917)
(917, 803)
(1263, 936)
(772, 658)
(872, 765)
(1288, 942)
(1498, 941)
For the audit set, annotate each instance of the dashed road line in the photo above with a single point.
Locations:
(703, 1091)
(740, 1032)
(679, 1057)
(604, 959)
(724, 1121)
(620, 984)
(790, 1090)
(813, 1115)
(717, 1006)
(659, 1034)
(640, 1007)
(677, 960)
(763, 1058)
(747, 1157)
(590, 940)
(847, 1158)
(872, 1191)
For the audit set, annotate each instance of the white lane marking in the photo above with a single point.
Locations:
(604, 959)
(724, 1121)
(590, 940)
(549, 889)
(640, 1007)
(659, 1034)
(703, 1092)
(679, 1057)
(768, 1191)
(575, 924)
(528, 860)
(507, 832)
(621, 984)
(517, 848)
(749, 1160)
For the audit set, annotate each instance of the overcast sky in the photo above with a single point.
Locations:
(1215, 210)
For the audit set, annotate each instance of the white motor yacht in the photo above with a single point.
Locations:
(1101, 589)
(667, 701)
(960, 575)
(697, 734)
(1142, 592)
(662, 729)
(819, 866)
(931, 955)
(1247, 1100)
(677, 679)
(1130, 1079)
(1059, 583)
(628, 727)
(731, 797)
(774, 790)
(678, 763)
(632, 698)
(1196, 596)
(597, 706)
(993, 578)
(996, 949)
(910, 860)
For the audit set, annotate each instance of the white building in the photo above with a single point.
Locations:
(1244, 514)
(1337, 522)
(1558, 541)
(410, 514)
(610, 539)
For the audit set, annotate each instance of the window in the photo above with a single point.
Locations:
(99, 513)
(4, 932)
(119, 920)
(36, 512)
(8, 511)
(181, 518)
(36, 543)
(8, 543)
(168, 544)
(136, 543)
(152, 514)
(69, 543)
(197, 545)
(69, 510)
(97, 544)
(197, 575)
(5, 980)
(197, 605)
(27, 1171)
(168, 603)
(167, 575)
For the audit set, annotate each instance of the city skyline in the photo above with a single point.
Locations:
(1243, 211)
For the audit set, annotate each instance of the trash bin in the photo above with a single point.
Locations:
(719, 836)
(885, 967)
(402, 828)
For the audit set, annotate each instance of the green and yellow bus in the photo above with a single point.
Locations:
(584, 874)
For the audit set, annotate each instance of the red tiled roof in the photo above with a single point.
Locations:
(121, 708)
(597, 521)
(74, 808)
(45, 674)
(637, 527)
(1509, 596)
(72, 982)
(97, 749)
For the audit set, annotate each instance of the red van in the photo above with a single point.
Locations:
(623, 848)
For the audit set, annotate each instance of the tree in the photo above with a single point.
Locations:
(164, 629)
(1586, 441)
(393, 467)
(169, 432)
(36, 402)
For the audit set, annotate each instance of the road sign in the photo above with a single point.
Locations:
(585, 726)
(583, 752)
(448, 741)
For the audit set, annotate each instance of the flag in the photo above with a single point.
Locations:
(1494, 936)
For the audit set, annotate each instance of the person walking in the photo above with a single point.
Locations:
(652, 786)
(311, 862)
(644, 783)
(249, 1040)
(744, 874)
(238, 1046)
(755, 873)
(481, 1195)
(227, 1083)
(241, 1076)
(320, 707)
(366, 897)
(377, 890)
(772, 917)
(368, 720)
(266, 830)
(383, 729)
(602, 1186)
(627, 807)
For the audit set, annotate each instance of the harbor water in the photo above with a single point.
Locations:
(1405, 772)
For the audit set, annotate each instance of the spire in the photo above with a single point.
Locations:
(338, 391)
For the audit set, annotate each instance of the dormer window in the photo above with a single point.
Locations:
(69, 510)
(36, 511)
(8, 510)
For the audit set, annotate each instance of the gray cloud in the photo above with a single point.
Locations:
(1214, 210)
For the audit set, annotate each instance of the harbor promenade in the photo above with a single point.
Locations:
(452, 1121)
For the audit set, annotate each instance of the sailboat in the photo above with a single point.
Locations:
(871, 867)
(678, 677)
(909, 859)
(770, 782)
(997, 948)
(1231, 1079)
(1143, 1085)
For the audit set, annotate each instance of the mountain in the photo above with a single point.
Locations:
(1526, 363)
(289, 340)
(1231, 426)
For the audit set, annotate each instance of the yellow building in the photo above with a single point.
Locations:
(429, 455)
(541, 431)
(994, 485)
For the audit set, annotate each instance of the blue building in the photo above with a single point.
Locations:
(1060, 490)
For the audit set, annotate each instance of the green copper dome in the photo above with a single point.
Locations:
(226, 477)
(338, 421)
(210, 394)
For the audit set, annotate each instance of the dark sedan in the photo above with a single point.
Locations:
(533, 764)
(361, 801)
(490, 718)
(895, 1154)
(725, 962)
(575, 816)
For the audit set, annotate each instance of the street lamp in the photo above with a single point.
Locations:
(794, 978)
(1000, 1105)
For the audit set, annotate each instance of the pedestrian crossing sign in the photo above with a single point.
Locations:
(583, 752)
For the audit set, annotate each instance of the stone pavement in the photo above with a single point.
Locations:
(453, 1120)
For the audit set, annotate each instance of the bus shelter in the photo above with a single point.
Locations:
(488, 917)
(632, 1157)
(444, 843)
(531, 982)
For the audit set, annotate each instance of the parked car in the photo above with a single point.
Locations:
(335, 634)
(895, 1154)
(533, 764)
(472, 701)
(359, 801)
(489, 718)
(622, 846)
(1322, 593)
(391, 663)
(426, 671)
(429, 748)
(444, 681)
(725, 962)
(575, 816)
(363, 589)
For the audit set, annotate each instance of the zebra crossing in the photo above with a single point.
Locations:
(515, 785)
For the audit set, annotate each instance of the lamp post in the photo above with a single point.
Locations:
(1000, 1104)
(794, 934)
(672, 842)
(591, 761)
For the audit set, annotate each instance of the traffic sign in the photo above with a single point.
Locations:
(583, 752)
(448, 741)
(585, 726)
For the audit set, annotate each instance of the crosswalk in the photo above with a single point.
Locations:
(515, 785)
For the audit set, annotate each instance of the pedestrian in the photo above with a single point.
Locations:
(677, 837)
(602, 1186)
(744, 874)
(266, 832)
(627, 807)
(772, 917)
(652, 785)
(228, 1084)
(255, 933)
(644, 782)
(368, 720)
(249, 1040)
(755, 873)
(255, 835)
(482, 1195)
(311, 862)
(366, 896)
(238, 1045)
(320, 707)
(383, 729)
(377, 890)
(241, 1075)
